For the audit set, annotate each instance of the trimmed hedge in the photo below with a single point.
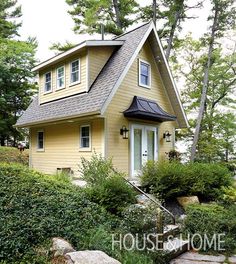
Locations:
(173, 179)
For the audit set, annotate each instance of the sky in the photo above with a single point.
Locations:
(49, 22)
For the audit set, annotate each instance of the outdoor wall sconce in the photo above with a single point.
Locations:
(167, 136)
(124, 132)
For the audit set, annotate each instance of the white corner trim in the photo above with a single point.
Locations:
(171, 76)
(122, 76)
(87, 71)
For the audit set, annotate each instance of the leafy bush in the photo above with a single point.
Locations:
(212, 219)
(174, 179)
(35, 208)
(106, 186)
(96, 170)
(9, 155)
(229, 195)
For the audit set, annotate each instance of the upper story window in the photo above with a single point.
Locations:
(48, 82)
(40, 140)
(60, 77)
(144, 74)
(75, 72)
(85, 137)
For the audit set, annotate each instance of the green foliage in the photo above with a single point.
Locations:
(175, 179)
(114, 15)
(96, 170)
(106, 186)
(172, 14)
(9, 11)
(59, 47)
(13, 155)
(229, 194)
(139, 219)
(218, 129)
(35, 208)
(16, 87)
(212, 219)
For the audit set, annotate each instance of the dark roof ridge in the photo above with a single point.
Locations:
(125, 33)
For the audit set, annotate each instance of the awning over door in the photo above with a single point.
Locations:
(142, 108)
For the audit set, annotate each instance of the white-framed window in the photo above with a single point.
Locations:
(144, 74)
(61, 77)
(47, 82)
(85, 137)
(40, 140)
(75, 72)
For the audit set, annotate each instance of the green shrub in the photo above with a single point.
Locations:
(96, 170)
(212, 219)
(35, 208)
(13, 155)
(106, 186)
(170, 180)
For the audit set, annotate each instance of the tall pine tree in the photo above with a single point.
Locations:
(115, 15)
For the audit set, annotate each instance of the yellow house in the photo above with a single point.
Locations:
(115, 97)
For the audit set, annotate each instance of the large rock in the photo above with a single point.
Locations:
(90, 257)
(184, 201)
(60, 247)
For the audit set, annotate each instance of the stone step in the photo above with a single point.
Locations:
(176, 247)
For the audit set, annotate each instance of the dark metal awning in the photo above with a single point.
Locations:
(143, 108)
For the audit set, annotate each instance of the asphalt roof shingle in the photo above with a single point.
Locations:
(100, 90)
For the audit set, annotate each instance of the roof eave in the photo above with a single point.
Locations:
(59, 119)
(88, 43)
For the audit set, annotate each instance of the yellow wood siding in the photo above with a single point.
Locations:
(69, 89)
(97, 57)
(62, 146)
(117, 147)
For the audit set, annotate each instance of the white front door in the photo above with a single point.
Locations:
(143, 147)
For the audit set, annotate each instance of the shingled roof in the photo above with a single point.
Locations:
(92, 101)
(104, 87)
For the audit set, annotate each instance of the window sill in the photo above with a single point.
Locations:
(45, 93)
(59, 89)
(40, 150)
(85, 149)
(74, 83)
(145, 86)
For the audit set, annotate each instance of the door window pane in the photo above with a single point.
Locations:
(137, 149)
(150, 144)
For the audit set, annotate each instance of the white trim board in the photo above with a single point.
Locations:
(88, 43)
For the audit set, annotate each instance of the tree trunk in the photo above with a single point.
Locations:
(154, 5)
(204, 87)
(2, 141)
(172, 33)
(117, 12)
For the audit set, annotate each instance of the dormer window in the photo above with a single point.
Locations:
(61, 77)
(48, 82)
(144, 74)
(75, 72)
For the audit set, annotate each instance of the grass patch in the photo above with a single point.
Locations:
(13, 155)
